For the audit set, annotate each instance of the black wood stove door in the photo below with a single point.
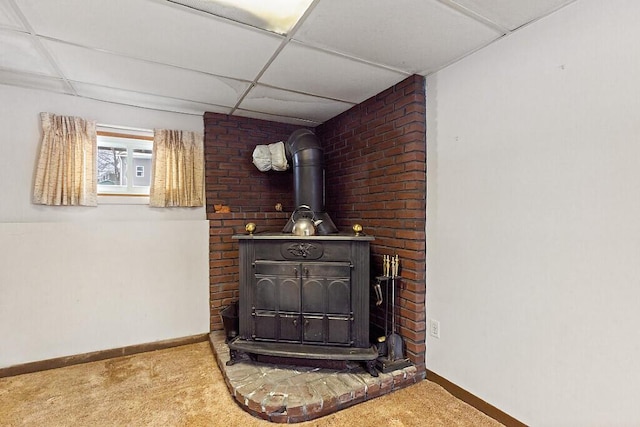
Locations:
(306, 302)
(276, 301)
(326, 303)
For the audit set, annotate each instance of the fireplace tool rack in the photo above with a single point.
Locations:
(390, 345)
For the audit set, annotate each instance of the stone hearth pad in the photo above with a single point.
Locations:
(285, 393)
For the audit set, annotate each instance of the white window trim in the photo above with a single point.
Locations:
(135, 139)
(118, 199)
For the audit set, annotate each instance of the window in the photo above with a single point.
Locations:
(122, 160)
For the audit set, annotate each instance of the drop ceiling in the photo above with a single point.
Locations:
(192, 56)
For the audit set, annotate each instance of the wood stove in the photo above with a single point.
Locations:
(304, 297)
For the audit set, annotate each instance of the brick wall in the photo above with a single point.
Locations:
(375, 156)
(232, 180)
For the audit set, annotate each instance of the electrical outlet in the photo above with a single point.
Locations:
(434, 328)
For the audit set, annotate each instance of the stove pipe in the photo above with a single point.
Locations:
(306, 155)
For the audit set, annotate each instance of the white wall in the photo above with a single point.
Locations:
(533, 209)
(68, 280)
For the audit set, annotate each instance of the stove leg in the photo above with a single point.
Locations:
(371, 368)
(233, 358)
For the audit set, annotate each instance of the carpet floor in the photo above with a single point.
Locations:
(183, 386)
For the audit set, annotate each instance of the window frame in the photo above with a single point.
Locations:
(131, 140)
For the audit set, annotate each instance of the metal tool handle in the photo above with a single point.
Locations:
(396, 267)
(378, 290)
(393, 267)
(386, 264)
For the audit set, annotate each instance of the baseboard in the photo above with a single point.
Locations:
(474, 401)
(61, 362)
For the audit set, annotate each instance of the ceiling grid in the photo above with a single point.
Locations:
(192, 56)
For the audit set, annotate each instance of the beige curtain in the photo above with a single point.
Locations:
(177, 177)
(66, 168)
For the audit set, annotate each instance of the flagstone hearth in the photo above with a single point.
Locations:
(278, 391)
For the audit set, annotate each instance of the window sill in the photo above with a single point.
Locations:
(122, 200)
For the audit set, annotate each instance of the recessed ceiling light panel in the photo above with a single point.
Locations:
(277, 16)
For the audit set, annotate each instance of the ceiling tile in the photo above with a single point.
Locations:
(145, 100)
(512, 14)
(34, 81)
(19, 53)
(275, 118)
(412, 35)
(291, 104)
(156, 31)
(9, 18)
(313, 71)
(90, 66)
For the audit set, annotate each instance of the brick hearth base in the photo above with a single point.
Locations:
(291, 394)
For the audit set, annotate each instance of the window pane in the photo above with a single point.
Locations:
(142, 167)
(112, 166)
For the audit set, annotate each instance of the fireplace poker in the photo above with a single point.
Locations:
(394, 341)
(382, 344)
(387, 267)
